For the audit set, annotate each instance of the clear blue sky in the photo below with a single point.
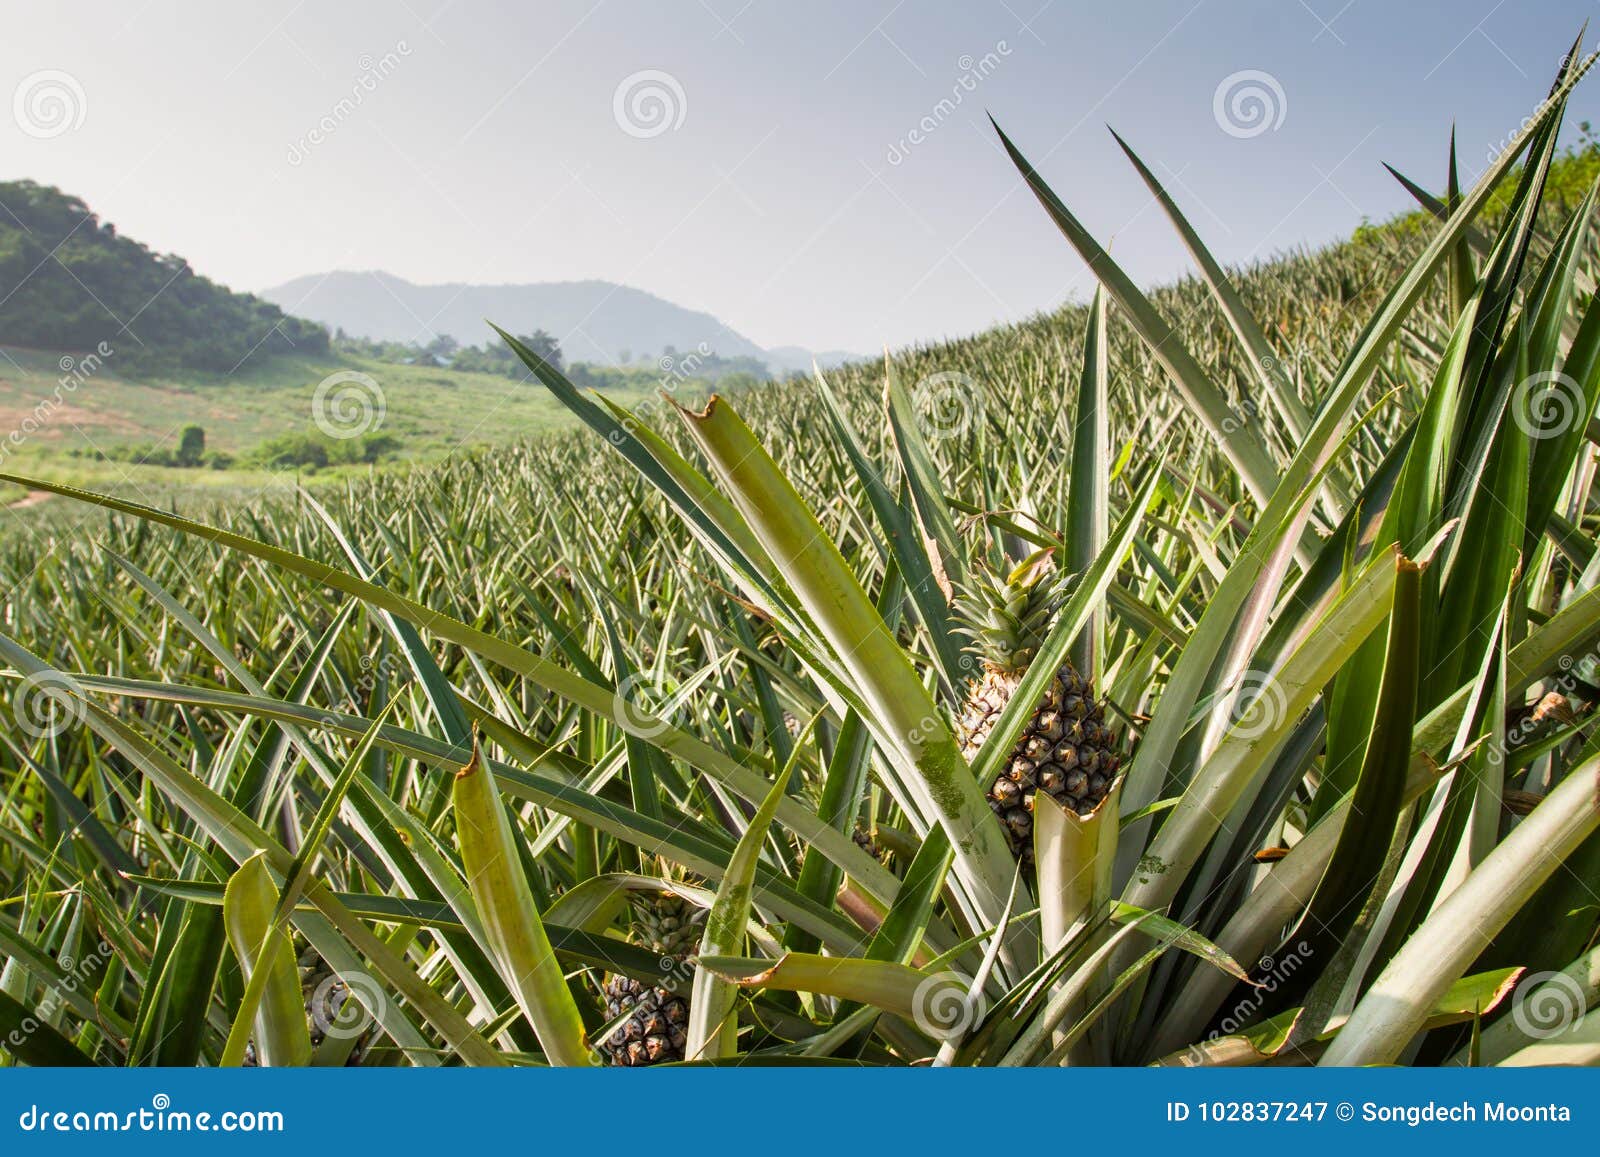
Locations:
(783, 193)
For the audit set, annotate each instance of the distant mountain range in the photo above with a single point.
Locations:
(595, 321)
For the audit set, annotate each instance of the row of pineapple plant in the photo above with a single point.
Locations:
(1184, 648)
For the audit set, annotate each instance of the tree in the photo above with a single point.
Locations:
(191, 446)
(441, 347)
(545, 345)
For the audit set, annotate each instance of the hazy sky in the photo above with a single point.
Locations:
(751, 158)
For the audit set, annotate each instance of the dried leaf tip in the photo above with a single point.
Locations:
(690, 414)
(476, 762)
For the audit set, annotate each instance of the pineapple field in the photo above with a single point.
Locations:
(1199, 677)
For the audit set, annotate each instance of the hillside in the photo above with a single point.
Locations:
(70, 282)
(595, 321)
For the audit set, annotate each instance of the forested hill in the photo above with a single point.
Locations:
(69, 282)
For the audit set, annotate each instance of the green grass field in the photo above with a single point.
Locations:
(432, 412)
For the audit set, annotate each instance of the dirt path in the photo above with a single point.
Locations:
(31, 498)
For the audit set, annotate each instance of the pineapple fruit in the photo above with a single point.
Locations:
(657, 1015)
(325, 996)
(1066, 749)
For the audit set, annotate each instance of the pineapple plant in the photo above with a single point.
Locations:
(651, 1019)
(1065, 750)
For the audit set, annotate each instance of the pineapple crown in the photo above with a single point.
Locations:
(1008, 616)
(668, 924)
(664, 921)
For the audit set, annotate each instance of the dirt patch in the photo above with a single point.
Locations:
(60, 421)
(31, 498)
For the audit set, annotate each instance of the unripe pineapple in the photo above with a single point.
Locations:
(864, 840)
(656, 1027)
(330, 1011)
(1065, 749)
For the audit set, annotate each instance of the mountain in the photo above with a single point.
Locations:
(595, 321)
(70, 282)
(794, 359)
